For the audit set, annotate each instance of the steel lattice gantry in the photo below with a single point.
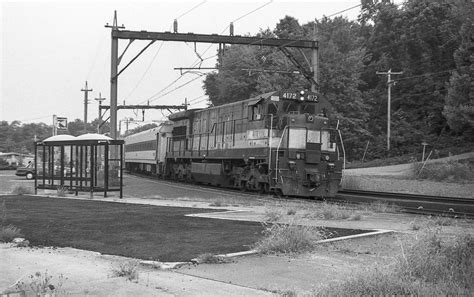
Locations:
(116, 34)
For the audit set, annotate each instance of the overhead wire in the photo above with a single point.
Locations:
(151, 98)
(156, 54)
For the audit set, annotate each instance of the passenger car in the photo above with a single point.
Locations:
(28, 171)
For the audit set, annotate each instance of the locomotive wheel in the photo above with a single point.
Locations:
(263, 188)
(243, 186)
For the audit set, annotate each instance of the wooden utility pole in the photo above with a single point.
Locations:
(86, 101)
(389, 83)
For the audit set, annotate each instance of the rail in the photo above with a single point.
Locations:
(414, 203)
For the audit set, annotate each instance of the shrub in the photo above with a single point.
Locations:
(127, 269)
(431, 260)
(8, 233)
(21, 190)
(427, 266)
(288, 238)
(449, 171)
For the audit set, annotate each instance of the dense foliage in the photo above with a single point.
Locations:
(429, 41)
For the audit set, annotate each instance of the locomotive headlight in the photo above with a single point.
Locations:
(302, 95)
(326, 157)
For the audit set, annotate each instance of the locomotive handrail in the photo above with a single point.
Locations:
(277, 152)
(342, 145)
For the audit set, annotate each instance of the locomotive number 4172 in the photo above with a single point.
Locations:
(296, 96)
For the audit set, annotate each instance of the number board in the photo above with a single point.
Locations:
(297, 96)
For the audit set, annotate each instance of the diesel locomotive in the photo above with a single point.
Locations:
(284, 142)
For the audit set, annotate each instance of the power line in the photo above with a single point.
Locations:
(423, 75)
(193, 8)
(146, 71)
(347, 9)
(156, 54)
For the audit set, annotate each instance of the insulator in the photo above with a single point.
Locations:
(231, 29)
(175, 26)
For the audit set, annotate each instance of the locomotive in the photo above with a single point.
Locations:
(284, 142)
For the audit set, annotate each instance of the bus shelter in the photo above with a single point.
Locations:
(87, 163)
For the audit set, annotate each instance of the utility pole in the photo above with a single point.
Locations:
(389, 83)
(86, 101)
(100, 99)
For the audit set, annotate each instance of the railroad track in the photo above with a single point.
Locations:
(411, 203)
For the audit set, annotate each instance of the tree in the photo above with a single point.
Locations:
(459, 107)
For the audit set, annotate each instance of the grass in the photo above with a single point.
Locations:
(137, 231)
(7, 232)
(427, 266)
(351, 182)
(288, 238)
(127, 269)
(448, 171)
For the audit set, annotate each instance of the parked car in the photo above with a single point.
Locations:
(28, 171)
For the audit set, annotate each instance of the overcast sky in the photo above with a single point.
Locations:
(49, 50)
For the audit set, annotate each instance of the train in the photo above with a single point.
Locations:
(284, 142)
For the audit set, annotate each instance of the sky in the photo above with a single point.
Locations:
(49, 49)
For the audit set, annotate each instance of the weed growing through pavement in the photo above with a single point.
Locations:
(288, 238)
(127, 269)
(61, 191)
(329, 211)
(40, 284)
(21, 190)
(273, 214)
(217, 203)
(209, 258)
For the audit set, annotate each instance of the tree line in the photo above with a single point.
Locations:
(431, 42)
